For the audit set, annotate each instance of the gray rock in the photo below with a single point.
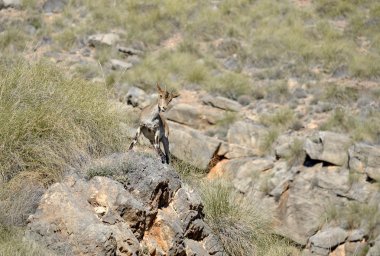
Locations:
(231, 151)
(333, 178)
(232, 63)
(54, 6)
(246, 134)
(302, 205)
(245, 171)
(300, 93)
(137, 97)
(103, 39)
(10, 4)
(222, 103)
(192, 146)
(365, 158)
(357, 235)
(375, 248)
(193, 115)
(120, 65)
(328, 238)
(194, 248)
(329, 147)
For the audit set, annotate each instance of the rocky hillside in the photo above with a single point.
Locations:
(280, 101)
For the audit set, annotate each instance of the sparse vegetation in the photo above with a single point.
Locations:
(242, 228)
(13, 244)
(268, 140)
(354, 215)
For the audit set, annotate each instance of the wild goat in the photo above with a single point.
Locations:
(154, 126)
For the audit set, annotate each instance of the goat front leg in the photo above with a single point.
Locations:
(157, 146)
(138, 132)
(165, 142)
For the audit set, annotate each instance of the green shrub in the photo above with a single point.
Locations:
(51, 122)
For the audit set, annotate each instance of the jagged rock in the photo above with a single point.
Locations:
(325, 240)
(194, 248)
(222, 103)
(54, 6)
(137, 97)
(191, 145)
(166, 234)
(147, 211)
(328, 147)
(365, 158)
(10, 4)
(66, 220)
(246, 134)
(120, 65)
(103, 39)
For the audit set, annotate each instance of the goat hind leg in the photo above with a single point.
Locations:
(138, 132)
(157, 147)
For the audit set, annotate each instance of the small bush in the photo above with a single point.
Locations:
(242, 228)
(267, 141)
(297, 154)
(283, 118)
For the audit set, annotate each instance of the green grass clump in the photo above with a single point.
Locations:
(268, 139)
(282, 118)
(241, 228)
(340, 94)
(13, 244)
(296, 153)
(51, 122)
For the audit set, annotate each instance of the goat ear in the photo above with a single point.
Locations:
(174, 95)
(159, 88)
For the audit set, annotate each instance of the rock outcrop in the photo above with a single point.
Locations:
(147, 211)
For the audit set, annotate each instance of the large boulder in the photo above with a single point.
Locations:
(192, 146)
(324, 241)
(300, 208)
(365, 159)
(328, 147)
(195, 116)
(222, 103)
(146, 209)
